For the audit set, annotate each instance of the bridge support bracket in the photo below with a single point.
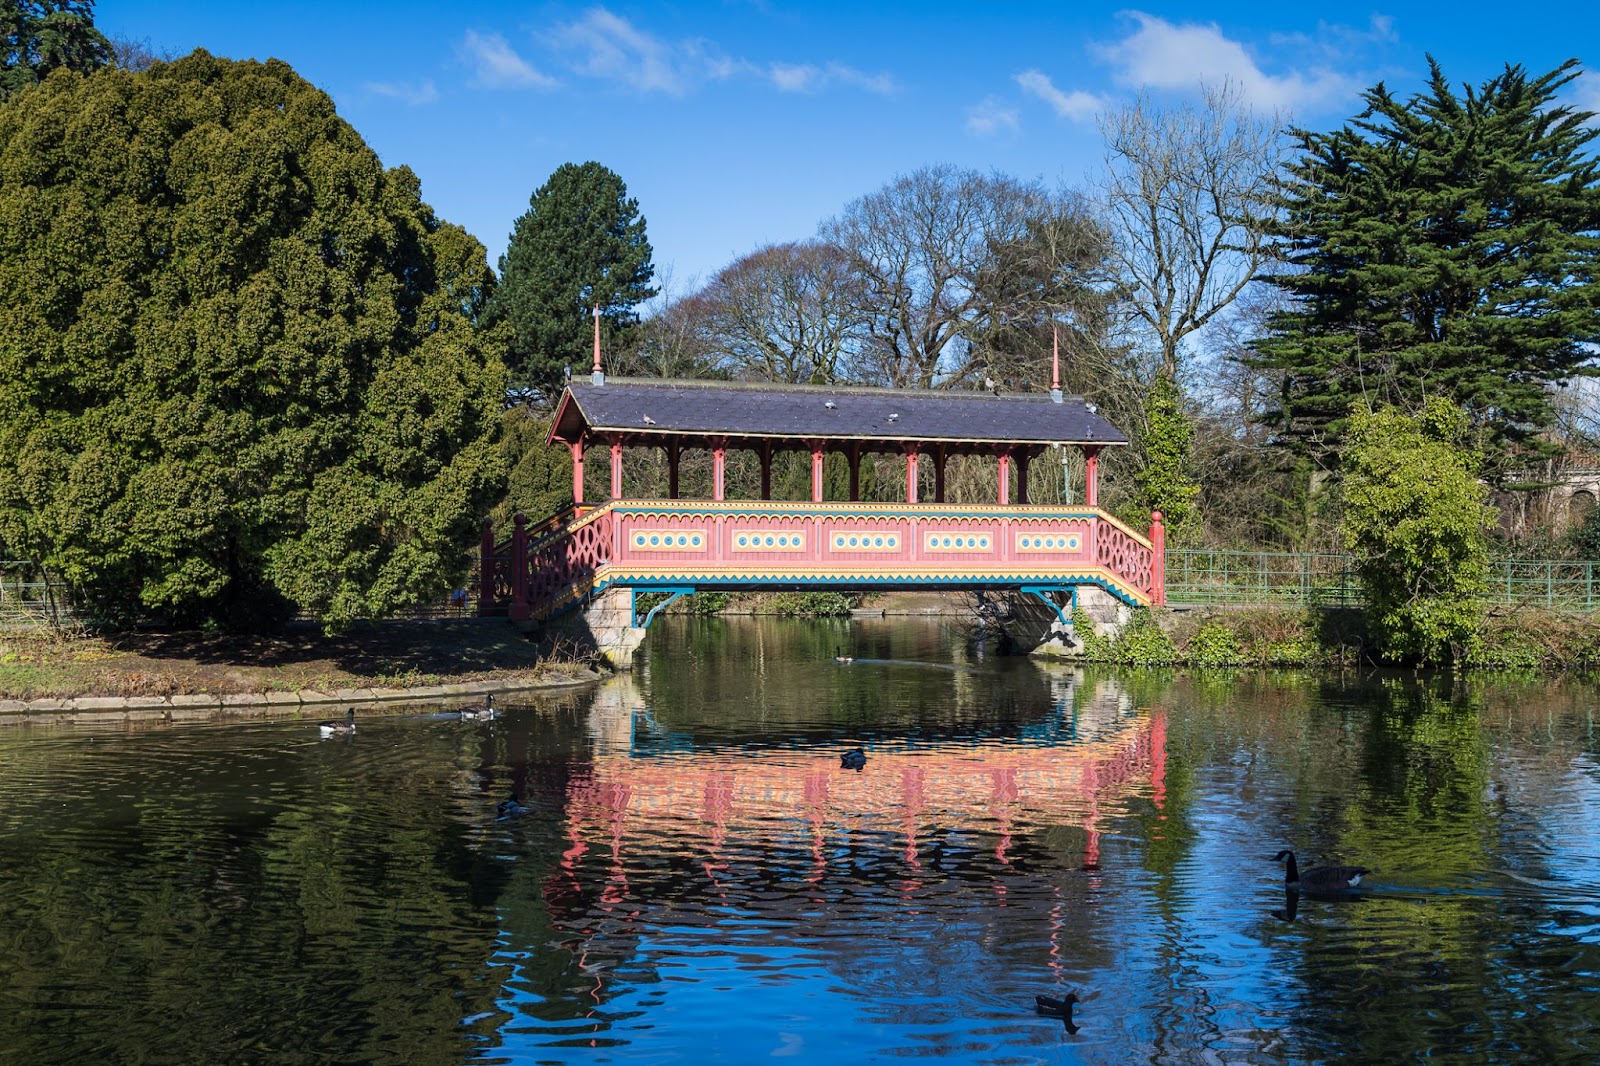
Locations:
(672, 594)
(1047, 594)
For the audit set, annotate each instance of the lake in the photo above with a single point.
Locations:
(698, 879)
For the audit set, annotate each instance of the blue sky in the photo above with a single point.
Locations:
(745, 122)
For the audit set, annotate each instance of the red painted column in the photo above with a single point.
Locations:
(1158, 560)
(486, 568)
(938, 475)
(1023, 458)
(577, 470)
(616, 468)
(816, 473)
(1091, 476)
(520, 610)
(1005, 479)
(911, 473)
(672, 470)
(719, 461)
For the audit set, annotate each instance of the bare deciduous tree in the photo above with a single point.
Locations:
(1185, 191)
(787, 312)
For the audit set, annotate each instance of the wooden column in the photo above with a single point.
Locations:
(855, 471)
(719, 462)
(938, 475)
(577, 470)
(911, 473)
(1091, 476)
(520, 610)
(673, 449)
(766, 470)
(1158, 560)
(1024, 457)
(616, 468)
(1005, 478)
(816, 471)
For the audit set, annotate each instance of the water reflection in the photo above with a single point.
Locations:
(696, 878)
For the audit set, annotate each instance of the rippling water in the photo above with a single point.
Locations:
(697, 879)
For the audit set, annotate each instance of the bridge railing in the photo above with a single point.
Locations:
(754, 544)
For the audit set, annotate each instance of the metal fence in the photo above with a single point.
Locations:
(28, 599)
(1202, 576)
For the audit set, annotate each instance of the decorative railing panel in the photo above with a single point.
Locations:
(755, 544)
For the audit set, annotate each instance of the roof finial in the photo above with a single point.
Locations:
(599, 375)
(1055, 363)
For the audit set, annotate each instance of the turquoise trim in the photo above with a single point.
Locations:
(675, 593)
(1047, 594)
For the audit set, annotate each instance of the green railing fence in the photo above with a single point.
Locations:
(28, 599)
(1197, 576)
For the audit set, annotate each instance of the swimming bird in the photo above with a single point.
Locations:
(1058, 1008)
(329, 729)
(1319, 878)
(854, 759)
(510, 808)
(841, 658)
(479, 712)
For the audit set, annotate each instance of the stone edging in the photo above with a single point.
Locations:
(99, 710)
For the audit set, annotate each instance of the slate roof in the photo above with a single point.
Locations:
(878, 417)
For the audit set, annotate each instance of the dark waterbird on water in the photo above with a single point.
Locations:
(510, 808)
(1058, 1008)
(329, 729)
(854, 759)
(479, 712)
(1319, 878)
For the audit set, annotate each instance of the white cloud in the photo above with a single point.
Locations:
(498, 66)
(991, 118)
(809, 78)
(413, 95)
(1163, 55)
(1076, 105)
(610, 47)
(1586, 95)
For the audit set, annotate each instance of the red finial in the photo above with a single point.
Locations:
(597, 338)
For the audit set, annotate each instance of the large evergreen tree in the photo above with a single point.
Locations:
(1445, 246)
(239, 367)
(38, 36)
(581, 244)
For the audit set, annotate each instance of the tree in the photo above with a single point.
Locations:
(38, 36)
(239, 364)
(1167, 481)
(921, 247)
(1417, 523)
(788, 312)
(1446, 246)
(1188, 191)
(581, 244)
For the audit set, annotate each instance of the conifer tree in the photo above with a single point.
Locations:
(1446, 246)
(38, 36)
(581, 244)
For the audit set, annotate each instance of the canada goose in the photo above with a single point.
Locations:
(510, 808)
(841, 658)
(854, 759)
(1319, 878)
(479, 712)
(1058, 1008)
(329, 729)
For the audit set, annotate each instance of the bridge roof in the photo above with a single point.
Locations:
(642, 408)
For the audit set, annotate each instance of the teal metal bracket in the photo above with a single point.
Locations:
(1047, 594)
(672, 594)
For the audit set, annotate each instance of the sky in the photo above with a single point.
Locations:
(742, 123)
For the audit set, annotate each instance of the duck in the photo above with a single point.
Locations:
(330, 729)
(854, 759)
(480, 712)
(1058, 1008)
(841, 658)
(510, 808)
(1319, 878)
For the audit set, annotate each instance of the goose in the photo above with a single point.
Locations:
(1058, 1008)
(329, 729)
(841, 658)
(854, 759)
(479, 712)
(1319, 878)
(510, 808)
